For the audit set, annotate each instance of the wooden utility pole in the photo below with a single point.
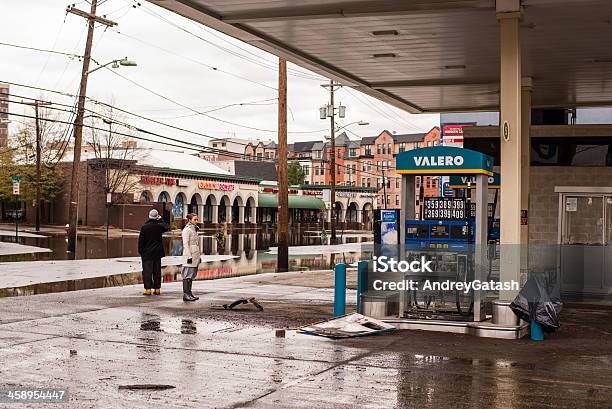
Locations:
(38, 142)
(282, 263)
(73, 202)
(332, 161)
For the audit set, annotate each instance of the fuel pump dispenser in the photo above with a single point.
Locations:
(453, 237)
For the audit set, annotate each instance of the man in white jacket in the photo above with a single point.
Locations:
(192, 251)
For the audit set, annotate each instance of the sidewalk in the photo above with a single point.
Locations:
(232, 359)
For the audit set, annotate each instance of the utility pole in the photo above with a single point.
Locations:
(332, 161)
(384, 186)
(282, 263)
(330, 111)
(36, 104)
(38, 141)
(73, 204)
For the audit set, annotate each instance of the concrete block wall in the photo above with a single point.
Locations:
(544, 202)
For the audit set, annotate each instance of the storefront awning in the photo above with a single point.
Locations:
(295, 202)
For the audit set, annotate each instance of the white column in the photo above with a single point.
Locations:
(359, 214)
(509, 16)
(253, 214)
(228, 214)
(480, 254)
(241, 214)
(200, 213)
(215, 214)
(525, 164)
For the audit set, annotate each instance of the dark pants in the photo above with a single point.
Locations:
(151, 274)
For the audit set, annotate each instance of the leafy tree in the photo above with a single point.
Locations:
(19, 159)
(295, 173)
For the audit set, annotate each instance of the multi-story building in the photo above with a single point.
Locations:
(369, 162)
(4, 120)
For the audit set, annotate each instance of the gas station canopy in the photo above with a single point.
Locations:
(428, 55)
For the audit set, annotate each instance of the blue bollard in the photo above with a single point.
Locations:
(340, 290)
(537, 333)
(362, 271)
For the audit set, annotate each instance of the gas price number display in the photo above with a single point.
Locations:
(444, 208)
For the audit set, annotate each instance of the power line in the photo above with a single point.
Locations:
(42, 50)
(195, 61)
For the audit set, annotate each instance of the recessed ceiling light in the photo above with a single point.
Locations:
(385, 55)
(385, 33)
(454, 67)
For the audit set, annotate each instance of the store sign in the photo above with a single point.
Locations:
(158, 180)
(452, 134)
(215, 186)
(440, 160)
(347, 195)
(312, 193)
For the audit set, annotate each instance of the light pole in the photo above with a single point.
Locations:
(124, 62)
(340, 127)
(73, 205)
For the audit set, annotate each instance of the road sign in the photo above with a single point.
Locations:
(16, 185)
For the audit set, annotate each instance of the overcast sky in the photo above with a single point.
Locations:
(175, 63)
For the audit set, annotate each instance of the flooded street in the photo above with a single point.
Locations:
(250, 252)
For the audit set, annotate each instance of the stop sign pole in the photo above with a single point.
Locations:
(16, 192)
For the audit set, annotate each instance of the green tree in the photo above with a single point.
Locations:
(295, 173)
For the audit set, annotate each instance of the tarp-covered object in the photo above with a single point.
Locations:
(538, 300)
(347, 326)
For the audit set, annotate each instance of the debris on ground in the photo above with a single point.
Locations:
(347, 326)
(73, 352)
(280, 333)
(240, 301)
(147, 386)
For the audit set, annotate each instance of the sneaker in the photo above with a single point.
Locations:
(157, 292)
(146, 292)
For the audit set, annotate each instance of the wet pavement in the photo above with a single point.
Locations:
(232, 359)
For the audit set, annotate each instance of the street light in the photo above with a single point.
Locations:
(360, 123)
(115, 64)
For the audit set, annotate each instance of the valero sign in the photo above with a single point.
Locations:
(460, 182)
(443, 160)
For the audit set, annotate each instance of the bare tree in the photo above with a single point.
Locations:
(114, 153)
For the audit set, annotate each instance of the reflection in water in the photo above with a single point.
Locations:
(249, 248)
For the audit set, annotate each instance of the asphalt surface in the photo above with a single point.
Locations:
(232, 359)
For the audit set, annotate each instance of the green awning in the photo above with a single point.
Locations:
(295, 202)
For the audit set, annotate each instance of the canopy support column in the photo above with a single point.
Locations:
(525, 163)
(509, 16)
(481, 243)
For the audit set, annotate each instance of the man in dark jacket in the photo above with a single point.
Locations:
(151, 251)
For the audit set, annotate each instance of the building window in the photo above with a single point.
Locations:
(397, 183)
(397, 200)
(363, 182)
(214, 145)
(306, 170)
(369, 165)
(402, 147)
(318, 154)
(353, 152)
(369, 183)
(378, 148)
(389, 151)
(377, 165)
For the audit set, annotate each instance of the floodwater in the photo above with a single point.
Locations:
(250, 249)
